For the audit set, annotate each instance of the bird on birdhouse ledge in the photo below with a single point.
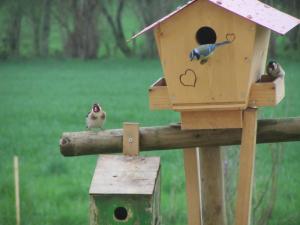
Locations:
(96, 117)
(203, 52)
(275, 70)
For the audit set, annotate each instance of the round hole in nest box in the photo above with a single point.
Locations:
(121, 213)
(206, 35)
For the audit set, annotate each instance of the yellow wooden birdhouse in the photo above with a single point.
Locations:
(223, 82)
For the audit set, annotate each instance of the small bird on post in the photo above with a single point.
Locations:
(96, 117)
(274, 69)
(203, 52)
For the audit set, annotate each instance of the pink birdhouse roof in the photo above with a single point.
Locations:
(252, 10)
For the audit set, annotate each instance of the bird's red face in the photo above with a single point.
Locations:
(96, 108)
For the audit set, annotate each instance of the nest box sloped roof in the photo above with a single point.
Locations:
(253, 10)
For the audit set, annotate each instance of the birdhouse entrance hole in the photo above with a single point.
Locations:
(206, 35)
(121, 213)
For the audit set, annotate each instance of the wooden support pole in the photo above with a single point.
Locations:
(131, 140)
(17, 189)
(192, 185)
(172, 137)
(212, 186)
(247, 162)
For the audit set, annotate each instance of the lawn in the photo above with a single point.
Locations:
(40, 99)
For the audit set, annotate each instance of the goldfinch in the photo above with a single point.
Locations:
(274, 69)
(96, 117)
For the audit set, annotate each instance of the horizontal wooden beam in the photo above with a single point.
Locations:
(172, 137)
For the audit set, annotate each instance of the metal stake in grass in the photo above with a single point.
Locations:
(17, 189)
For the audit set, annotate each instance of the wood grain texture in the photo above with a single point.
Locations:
(212, 186)
(131, 139)
(205, 107)
(259, 57)
(94, 214)
(267, 93)
(157, 32)
(246, 171)
(225, 78)
(158, 96)
(211, 120)
(261, 94)
(115, 174)
(192, 185)
(172, 137)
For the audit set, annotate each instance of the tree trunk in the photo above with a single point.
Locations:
(14, 30)
(83, 41)
(117, 27)
(35, 23)
(45, 32)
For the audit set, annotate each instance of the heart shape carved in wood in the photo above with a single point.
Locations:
(230, 37)
(189, 78)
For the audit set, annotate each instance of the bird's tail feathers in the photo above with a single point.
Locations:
(222, 43)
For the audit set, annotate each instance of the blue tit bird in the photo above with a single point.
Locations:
(96, 117)
(203, 52)
(274, 69)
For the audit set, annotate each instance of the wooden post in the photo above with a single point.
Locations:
(247, 162)
(131, 143)
(17, 189)
(212, 186)
(192, 185)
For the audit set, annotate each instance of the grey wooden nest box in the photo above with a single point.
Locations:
(125, 190)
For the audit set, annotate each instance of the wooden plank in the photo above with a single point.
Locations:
(211, 120)
(156, 201)
(117, 174)
(138, 209)
(94, 213)
(246, 171)
(267, 93)
(212, 186)
(157, 32)
(208, 107)
(173, 137)
(259, 57)
(131, 139)
(17, 189)
(158, 95)
(192, 185)
(222, 79)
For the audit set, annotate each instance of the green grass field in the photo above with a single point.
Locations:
(40, 99)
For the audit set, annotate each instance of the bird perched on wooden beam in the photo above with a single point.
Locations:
(274, 69)
(96, 117)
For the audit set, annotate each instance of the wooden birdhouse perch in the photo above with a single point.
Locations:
(226, 81)
(213, 54)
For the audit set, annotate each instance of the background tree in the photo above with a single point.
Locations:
(83, 30)
(148, 11)
(13, 27)
(79, 24)
(45, 27)
(115, 23)
(33, 11)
